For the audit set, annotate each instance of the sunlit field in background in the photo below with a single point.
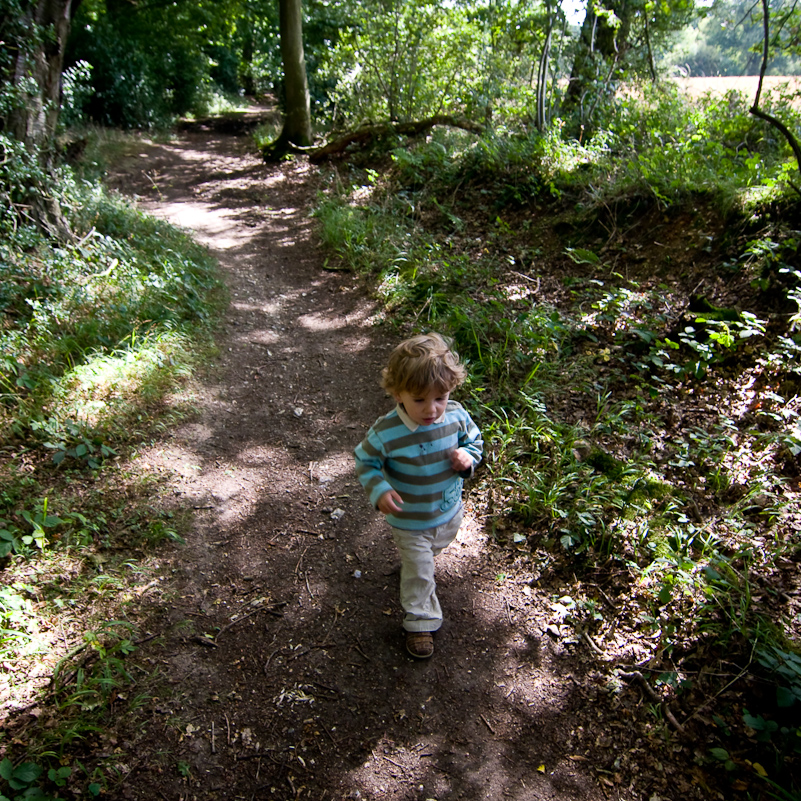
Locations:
(746, 84)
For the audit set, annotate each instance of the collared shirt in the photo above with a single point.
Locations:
(414, 460)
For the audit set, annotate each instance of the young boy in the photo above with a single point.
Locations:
(412, 464)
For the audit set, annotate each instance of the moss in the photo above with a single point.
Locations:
(606, 464)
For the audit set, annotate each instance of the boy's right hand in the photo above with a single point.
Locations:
(390, 503)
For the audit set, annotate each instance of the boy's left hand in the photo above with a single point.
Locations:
(461, 460)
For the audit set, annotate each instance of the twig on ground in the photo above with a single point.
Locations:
(272, 609)
(593, 645)
(606, 598)
(269, 659)
(330, 736)
(487, 724)
(649, 690)
(362, 653)
(672, 719)
(300, 561)
(527, 277)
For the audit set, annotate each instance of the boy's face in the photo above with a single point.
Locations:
(424, 408)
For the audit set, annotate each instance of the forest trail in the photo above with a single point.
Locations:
(277, 625)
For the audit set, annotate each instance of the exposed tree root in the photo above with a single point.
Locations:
(366, 134)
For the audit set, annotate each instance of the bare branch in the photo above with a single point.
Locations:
(369, 133)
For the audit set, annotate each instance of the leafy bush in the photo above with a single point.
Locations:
(671, 148)
(144, 68)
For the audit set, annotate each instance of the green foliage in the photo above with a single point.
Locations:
(98, 327)
(85, 684)
(22, 182)
(141, 67)
(397, 60)
(670, 149)
(403, 61)
(787, 666)
(95, 323)
(76, 93)
(16, 621)
(22, 780)
(727, 40)
(82, 685)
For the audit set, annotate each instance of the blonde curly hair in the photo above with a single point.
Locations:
(422, 363)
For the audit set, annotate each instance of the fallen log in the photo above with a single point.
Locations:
(365, 134)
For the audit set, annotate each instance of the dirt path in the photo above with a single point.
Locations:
(306, 691)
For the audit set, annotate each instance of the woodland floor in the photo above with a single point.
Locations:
(306, 690)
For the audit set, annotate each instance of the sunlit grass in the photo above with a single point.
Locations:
(103, 335)
(105, 389)
(45, 612)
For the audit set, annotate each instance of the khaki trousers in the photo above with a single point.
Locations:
(418, 590)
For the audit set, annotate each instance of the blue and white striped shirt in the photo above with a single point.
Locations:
(414, 460)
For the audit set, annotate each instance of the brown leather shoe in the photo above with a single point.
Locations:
(420, 644)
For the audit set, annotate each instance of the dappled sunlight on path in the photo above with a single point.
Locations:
(278, 621)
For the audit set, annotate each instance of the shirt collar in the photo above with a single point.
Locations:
(409, 423)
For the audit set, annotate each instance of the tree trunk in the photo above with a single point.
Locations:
(297, 120)
(600, 43)
(34, 122)
(37, 67)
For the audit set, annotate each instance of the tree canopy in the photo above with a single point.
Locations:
(141, 64)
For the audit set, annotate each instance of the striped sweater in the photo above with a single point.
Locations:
(415, 461)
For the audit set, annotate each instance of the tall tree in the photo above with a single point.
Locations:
(296, 131)
(616, 40)
(32, 40)
(33, 75)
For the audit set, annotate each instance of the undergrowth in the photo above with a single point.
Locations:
(101, 330)
(633, 426)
